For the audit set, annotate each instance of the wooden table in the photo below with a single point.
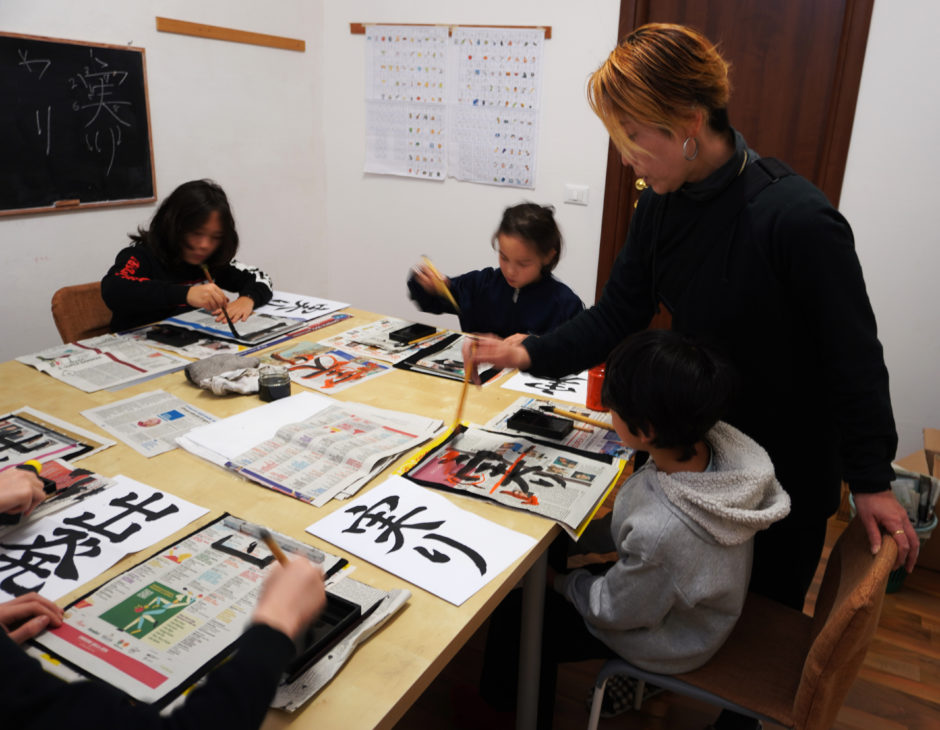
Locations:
(390, 671)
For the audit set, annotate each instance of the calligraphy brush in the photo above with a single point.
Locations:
(273, 546)
(440, 283)
(577, 417)
(466, 384)
(205, 270)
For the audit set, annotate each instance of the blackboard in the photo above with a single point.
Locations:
(74, 125)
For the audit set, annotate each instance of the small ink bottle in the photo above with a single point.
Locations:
(273, 383)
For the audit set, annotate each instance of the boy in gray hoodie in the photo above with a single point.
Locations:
(683, 527)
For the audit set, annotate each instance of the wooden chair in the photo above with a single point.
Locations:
(780, 665)
(80, 312)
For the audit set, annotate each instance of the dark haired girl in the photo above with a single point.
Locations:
(161, 273)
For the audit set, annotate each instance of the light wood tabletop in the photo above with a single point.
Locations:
(390, 671)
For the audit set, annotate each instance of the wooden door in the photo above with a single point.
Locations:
(795, 72)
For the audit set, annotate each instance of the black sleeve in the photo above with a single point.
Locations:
(136, 284)
(246, 281)
(815, 253)
(235, 696)
(625, 307)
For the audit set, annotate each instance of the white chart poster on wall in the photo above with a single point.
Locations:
(405, 103)
(465, 106)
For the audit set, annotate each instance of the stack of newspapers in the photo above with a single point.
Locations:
(309, 446)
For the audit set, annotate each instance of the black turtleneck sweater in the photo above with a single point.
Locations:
(777, 286)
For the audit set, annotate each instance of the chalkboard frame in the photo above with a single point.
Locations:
(74, 204)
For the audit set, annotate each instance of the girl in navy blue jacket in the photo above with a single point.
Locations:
(521, 296)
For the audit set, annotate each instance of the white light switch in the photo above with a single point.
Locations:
(576, 194)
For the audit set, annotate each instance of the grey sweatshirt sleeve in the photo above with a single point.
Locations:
(632, 594)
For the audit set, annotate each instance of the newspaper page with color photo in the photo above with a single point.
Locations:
(150, 422)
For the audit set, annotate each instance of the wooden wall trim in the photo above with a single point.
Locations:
(846, 82)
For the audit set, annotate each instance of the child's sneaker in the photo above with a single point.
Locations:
(620, 694)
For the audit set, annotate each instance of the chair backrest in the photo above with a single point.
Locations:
(844, 623)
(80, 312)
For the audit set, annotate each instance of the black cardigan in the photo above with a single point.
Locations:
(779, 289)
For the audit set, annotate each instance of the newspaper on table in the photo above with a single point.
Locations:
(107, 361)
(338, 458)
(555, 481)
(72, 484)
(60, 552)
(323, 368)
(444, 358)
(583, 436)
(150, 422)
(383, 605)
(299, 306)
(256, 329)
(27, 434)
(372, 341)
(333, 453)
(151, 630)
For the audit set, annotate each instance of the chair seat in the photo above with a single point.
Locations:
(765, 681)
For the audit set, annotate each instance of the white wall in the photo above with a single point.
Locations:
(246, 116)
(283, 132)
(890, 197)
(378, 226)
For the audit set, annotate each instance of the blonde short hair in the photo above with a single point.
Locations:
(658, 75)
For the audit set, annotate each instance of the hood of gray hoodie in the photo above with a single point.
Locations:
(738, 497)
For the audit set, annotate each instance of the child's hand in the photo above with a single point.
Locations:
(238, 311)
(26, 616)
(20, 491)
(206, 296)
(291, 597)
(428, 279)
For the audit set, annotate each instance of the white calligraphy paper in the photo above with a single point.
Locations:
(571, 388)
(57, 554)
(299, 306)
(423, 538)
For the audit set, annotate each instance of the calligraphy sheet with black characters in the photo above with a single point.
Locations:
(372, 341)
(323, 368)
(444, 358)
(108, 361)
(62, 551)
(568, 387)
(555, 481)
(299, 306)
(256, 329)
(156, 628)
(583, 436)
(423, 538)
(27, 434)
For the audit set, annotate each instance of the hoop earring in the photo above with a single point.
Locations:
(685, 152)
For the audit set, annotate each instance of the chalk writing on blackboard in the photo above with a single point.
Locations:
(78, 126)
